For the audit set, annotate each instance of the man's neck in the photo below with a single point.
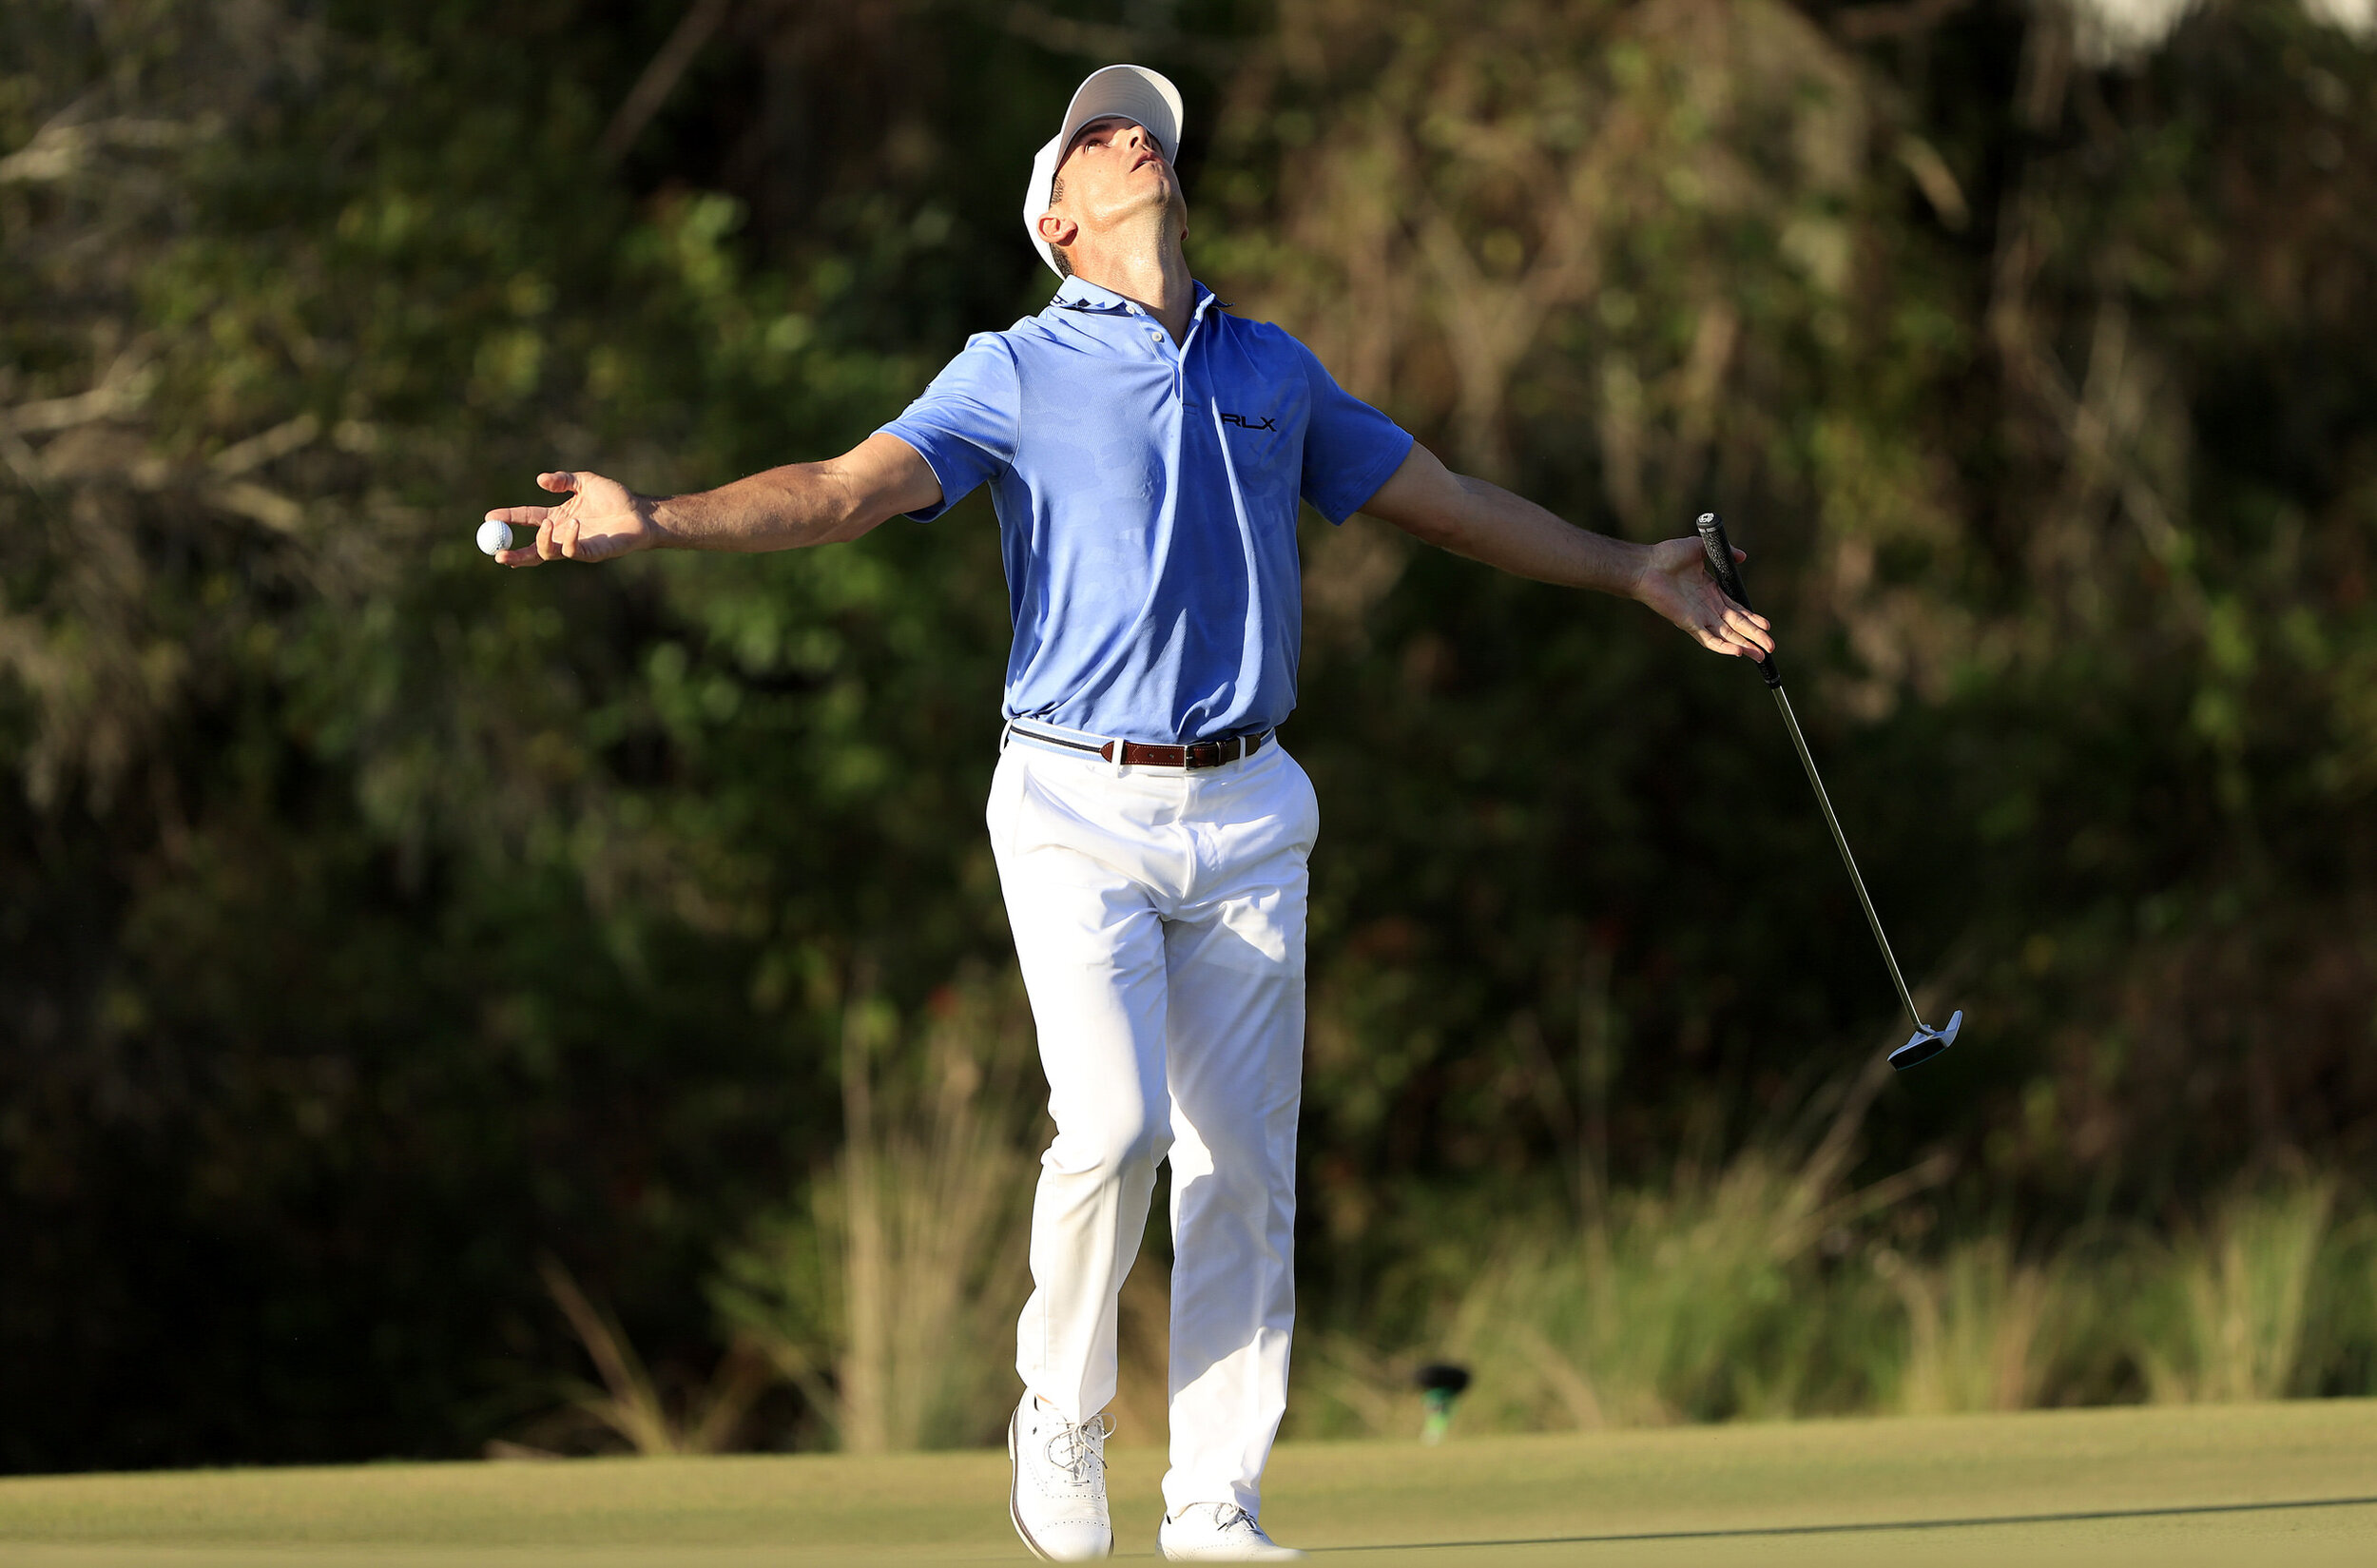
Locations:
(1153, 277)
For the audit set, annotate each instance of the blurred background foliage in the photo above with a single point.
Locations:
(421, 984)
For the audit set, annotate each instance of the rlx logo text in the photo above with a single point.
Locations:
(1245, 423)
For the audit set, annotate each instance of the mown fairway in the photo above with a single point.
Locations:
(2159, 1485)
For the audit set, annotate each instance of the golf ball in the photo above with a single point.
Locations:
(493, 536)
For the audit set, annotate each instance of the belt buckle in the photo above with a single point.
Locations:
(1203, 753)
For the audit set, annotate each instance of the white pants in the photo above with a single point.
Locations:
(1159, 917)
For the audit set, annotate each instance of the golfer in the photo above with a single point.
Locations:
(1147, 450)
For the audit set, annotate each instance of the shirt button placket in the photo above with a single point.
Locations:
(1155, 346)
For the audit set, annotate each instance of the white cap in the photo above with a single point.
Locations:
(1137, 94)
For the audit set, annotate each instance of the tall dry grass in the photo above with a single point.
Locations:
(1682, 1303)
(1763, 1287)
(628, 1405)
(889, 1299)
(2228, 1317)
(1763, 1284)
(1982, 1328)
(1651, 1313)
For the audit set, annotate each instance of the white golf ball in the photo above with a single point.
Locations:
(493, 536)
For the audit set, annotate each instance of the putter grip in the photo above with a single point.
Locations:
(1728, 575)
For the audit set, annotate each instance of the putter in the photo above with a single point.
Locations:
(1927, 1042)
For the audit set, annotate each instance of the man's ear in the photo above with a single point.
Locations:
(1058, 231)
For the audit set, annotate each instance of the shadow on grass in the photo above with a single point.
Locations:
(1872, 1526)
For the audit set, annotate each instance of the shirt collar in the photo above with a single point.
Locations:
(1079, 294)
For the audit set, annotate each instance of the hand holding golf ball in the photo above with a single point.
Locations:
(600, 521)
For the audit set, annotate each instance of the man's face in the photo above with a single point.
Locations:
(1114, 170)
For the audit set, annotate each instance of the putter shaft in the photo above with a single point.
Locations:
(1799, 743)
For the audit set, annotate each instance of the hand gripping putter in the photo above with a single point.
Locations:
(1927, 1042)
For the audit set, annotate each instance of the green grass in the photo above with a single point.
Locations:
(1785, 1493)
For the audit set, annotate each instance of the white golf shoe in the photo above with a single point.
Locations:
(1218, 1532)
(1057, 1498)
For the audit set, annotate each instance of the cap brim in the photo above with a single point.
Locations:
(1140, 95)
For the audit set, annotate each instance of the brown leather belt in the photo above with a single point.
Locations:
(1137, 754)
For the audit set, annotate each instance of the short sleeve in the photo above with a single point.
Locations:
(963, 425)
(1350, 448)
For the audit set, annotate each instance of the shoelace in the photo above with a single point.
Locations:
(1083, 1448)
(1227, 1517)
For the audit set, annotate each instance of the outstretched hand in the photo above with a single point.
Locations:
(600, 521)
(1675, 582)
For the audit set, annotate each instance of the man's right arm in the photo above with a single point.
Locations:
(783, 509)
(1487, 523)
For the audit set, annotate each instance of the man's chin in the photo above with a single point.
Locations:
(1155, 199)
(1158, 211)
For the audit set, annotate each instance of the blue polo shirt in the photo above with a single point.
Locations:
(1146, 505)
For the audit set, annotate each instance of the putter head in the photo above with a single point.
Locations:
(1927, 1044)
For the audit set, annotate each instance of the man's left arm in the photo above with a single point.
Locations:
(1487, 523)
